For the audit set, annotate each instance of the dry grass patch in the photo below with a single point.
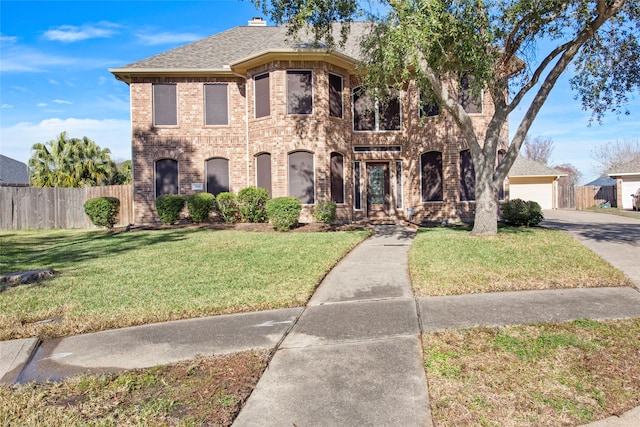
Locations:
(543, 375)
(208, 391)
(447, 261)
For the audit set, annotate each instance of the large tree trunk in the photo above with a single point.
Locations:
(486, 217)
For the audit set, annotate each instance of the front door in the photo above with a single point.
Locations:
(378, 197)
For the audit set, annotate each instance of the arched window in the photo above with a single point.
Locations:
(217, 175)
(166, 176)
(302, 176)
(263, 171)
(467, 177)
(431, 176)
(337, 177)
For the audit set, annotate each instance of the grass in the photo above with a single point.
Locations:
(615, 211)
(446, 261)
(204, 391)
(110, 280)
(547, 375)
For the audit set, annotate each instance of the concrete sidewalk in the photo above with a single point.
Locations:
(351, 357)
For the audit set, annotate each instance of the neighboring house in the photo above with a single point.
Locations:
(531, 180)
(628, 181)
(13, 172)
(245, 107)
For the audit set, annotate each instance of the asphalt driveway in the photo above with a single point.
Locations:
(615, 238)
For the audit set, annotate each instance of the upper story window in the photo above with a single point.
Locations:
(299, 92)
(336, 105)
(428, 106)
(165, 105)
(472, 103)
(262, 95)
(216, 110)
(373, 114)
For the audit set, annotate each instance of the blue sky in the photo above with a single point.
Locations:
(55, 56)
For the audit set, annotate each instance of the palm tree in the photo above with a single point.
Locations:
(70, 162)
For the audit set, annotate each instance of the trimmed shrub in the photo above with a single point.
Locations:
(519, 213)
(325, 211)
(169, 207)
(283, 212)
(103, 211)
(252, 202)
(200, 206)
(227, 206)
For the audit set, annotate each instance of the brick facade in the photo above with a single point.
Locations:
(191, 143)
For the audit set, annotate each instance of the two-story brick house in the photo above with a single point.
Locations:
(247, 107)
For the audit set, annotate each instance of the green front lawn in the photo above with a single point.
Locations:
(446, 261)
(110, 280)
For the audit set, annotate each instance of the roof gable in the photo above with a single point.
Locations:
(222, 51)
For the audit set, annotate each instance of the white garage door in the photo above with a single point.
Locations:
(541, 193)
(629, 187)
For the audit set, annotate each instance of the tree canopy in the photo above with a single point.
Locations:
(505, 49)
(70, 162)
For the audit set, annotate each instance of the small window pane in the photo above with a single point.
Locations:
(364, 110)
(166, 179)
(299, 92)
(470, 102)
(467, 177)
(335, 96)
(217, 176)
(216, 110)
(431, 179)
(263, 171)
(165, 111)
(337, 177)
(262, 94)
(428, 106)
(357, 188)
(399, 199)
(390, 112)
(302, 177)
(501, 193)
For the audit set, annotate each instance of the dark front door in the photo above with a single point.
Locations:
(378, 197)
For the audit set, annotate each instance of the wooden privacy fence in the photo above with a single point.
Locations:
(24, 208)
(571, 197)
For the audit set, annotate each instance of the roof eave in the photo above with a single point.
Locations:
(242, 65)
(613, 175)
(126, 74)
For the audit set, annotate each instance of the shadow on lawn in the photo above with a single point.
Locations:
(40, 250)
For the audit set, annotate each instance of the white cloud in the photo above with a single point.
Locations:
(62, 101)
(72, 33)
(167, 38)
(41, 104)
(54, 82)
(7, 39)
(23, 59)
(113, 134)
(6, 106)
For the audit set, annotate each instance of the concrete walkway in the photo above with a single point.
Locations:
(351, 357)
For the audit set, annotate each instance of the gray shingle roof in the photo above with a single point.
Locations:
(220, 50)
(13, 171)
(630, 167)
(525, 167)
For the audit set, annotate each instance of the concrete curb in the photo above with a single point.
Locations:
(14, 355)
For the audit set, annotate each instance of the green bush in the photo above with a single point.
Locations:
(227, 206)
(252, 202)
(325, 211)
(200, 206)
(103, 211)
(283, 212)
(519, 213)
(169, 207)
